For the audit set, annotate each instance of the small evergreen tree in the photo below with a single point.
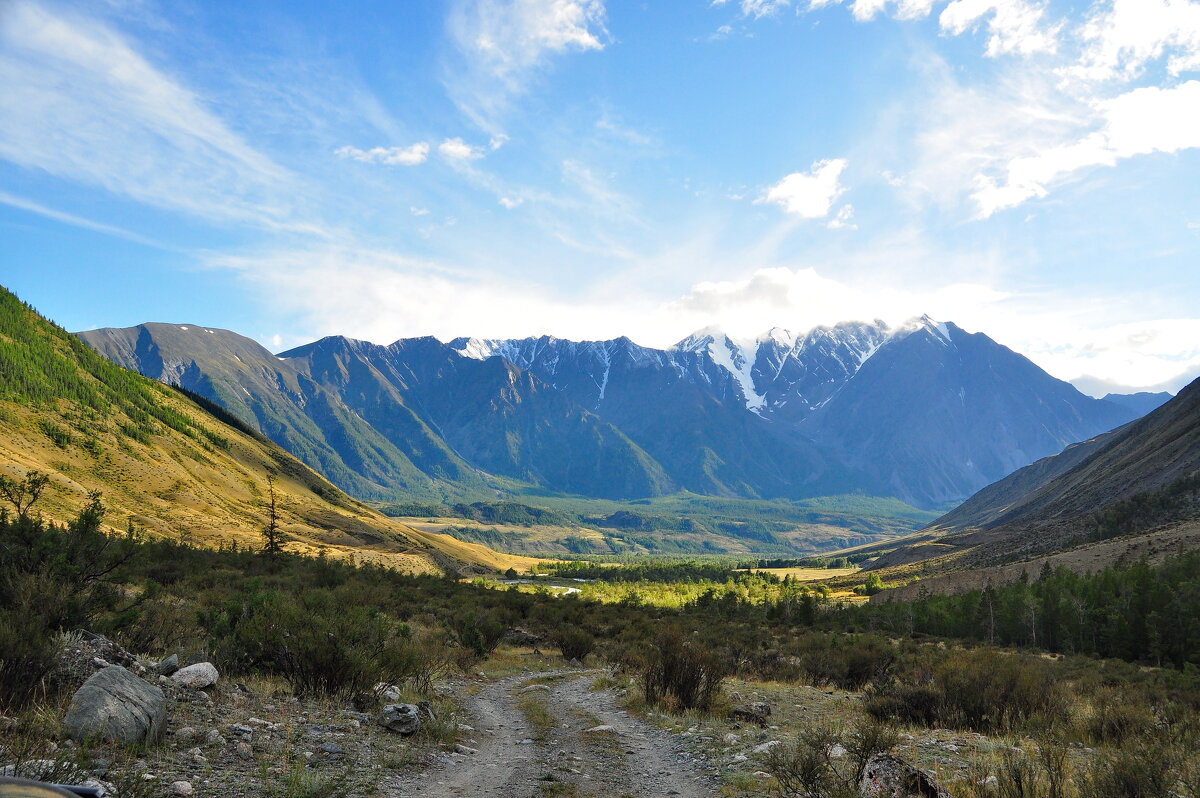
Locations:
(272, 536)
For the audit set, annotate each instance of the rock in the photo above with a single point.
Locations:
(196, 677)
(387, 692)
(767, 746)
(182, 788)
(116, 705)
(536, 688)
(213, 737)
(602, 728)
(403, 719)
(244, 751)
(730, 739)
(462, 727)
(241, 730)
(887, 776)
(167, 666)
(751, 713)
(331, 751)
(465, 749)
(837, 751)
(81, 656)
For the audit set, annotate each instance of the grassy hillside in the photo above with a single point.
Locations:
(168, 466)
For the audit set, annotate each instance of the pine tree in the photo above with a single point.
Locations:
(272, 536)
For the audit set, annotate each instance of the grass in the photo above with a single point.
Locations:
(536, 710)
(806, 574)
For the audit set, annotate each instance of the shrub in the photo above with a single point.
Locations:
(28, 645)
(1145, 770)
(478, 631)
(809, 768)
(321, 645)
(982, 690)
(679, 672)
(575, 643)
(1116, 719)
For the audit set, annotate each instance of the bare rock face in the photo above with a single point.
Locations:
(196, 677)
(886, 776)
(403, 719)
(113, 704)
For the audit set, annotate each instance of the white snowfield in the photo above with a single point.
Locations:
(756, 364)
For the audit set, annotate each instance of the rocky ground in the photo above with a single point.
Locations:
(550, 733)
(525, 726)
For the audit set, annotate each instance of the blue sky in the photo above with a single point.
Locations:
(593, 168)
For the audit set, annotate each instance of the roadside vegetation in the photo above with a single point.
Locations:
(977, 663)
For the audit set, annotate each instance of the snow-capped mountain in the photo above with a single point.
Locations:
(924, 411)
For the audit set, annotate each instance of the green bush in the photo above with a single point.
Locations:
(575, 643)
(321, 645)
(681, 673)
(983, 690)
(478, 631)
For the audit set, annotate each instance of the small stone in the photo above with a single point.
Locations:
(167, 666)
(536, 688)
(213, 737)
(196, 677)
(244, 751)
(837, 751)
(730, 739)
(601, 729)
(465, 749)
(182, 788)
(767, 746)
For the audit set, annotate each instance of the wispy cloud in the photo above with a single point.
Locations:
(404, 156)
(504, 43)
(79, 221)
(81, 103)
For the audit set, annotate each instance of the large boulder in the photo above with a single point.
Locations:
(113, 704)
(403, 719)
(196, 677)
(887, 776)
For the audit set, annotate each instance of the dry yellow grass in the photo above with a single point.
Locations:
(807, 574)
(181, 488)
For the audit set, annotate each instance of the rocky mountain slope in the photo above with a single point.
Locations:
(1135, 490)
(926, 412)
(169, 466)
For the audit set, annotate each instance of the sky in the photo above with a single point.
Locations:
(1029, 169)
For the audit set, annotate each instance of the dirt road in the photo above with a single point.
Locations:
(563, 754)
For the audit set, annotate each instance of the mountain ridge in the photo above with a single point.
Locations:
(831, 411)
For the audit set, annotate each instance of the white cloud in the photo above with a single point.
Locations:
(1122, 38)
(901, 9)
(1015, 26)
(404, 156)
(458, 150)
(808, 195)
(1139, 122)
(380, 296)
(510, 203)
(417, 211)
(844, 220)
(81, 104)
(504, 42)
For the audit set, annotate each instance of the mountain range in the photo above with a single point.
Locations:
(924, 412)
(172, 465)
